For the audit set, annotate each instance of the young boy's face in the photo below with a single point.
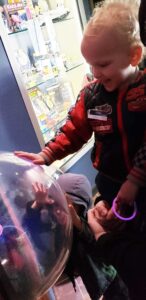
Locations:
(109, 58)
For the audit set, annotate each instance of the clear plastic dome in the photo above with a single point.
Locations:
(35, 229)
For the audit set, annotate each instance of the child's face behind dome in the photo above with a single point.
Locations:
(109, 58)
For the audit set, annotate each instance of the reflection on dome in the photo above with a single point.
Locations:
(35, 229)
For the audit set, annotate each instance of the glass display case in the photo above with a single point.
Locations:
(44, 38)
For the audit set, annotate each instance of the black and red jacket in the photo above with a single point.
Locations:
(118, 121)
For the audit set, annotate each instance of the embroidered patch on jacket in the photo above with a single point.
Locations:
(136, 99)
(136, 92)
(100, 119)
(104, 128)
(138, 105)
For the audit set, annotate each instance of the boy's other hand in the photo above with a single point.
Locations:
(101, 210)
(127, 193)
(94, 224)
(35, 158)
(104, 216)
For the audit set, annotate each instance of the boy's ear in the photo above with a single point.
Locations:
(136, 55)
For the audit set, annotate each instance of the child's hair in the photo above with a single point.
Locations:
(121, 15)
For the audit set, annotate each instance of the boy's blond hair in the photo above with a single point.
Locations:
(120, 15)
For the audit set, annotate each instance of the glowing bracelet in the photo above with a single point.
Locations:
(1, 229)
(119, 216)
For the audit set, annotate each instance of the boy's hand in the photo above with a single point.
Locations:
(112, 223)
(41, 195)
(105, 217)
(101, 210)
(127, 193)
(35, 158)
(94, 224)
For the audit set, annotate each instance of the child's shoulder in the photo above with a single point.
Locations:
(92, 84)
(136, 94)
(92, 88)
(139, 85)
(141, 78)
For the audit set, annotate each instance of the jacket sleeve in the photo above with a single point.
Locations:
(72, 135)
(138, 172)
(142, 21)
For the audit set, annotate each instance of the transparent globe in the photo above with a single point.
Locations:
(35, 229)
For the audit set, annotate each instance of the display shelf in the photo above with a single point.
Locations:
(50, 87)
(54, 84)
(74, 67)
(18, 31)
(62, 20)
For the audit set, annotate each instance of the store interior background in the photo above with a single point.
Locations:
(42, 71)
(40, 94)
(36, 91)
